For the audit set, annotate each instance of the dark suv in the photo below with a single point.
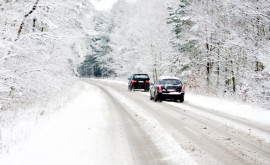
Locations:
(167, 88)
(139, 81)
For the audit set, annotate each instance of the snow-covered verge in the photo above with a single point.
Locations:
(217, 109)
(78, 133)
(252, 113)
(17, 124)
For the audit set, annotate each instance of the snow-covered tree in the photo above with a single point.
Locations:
(140, 37)
(41, 44)
(97, 62)
(224, 46)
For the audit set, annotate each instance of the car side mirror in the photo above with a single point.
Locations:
(129, 79)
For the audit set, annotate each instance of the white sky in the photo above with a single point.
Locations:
(105, 4)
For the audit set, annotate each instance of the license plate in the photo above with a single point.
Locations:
(140, 81)
(171, 90)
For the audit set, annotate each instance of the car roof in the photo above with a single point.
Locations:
(168, 77)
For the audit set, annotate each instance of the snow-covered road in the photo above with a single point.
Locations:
(208, 135)
(106, 124)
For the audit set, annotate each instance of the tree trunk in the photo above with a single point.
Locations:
(25, 17)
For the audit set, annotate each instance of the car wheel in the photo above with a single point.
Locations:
(151, 98)
(182, 99)
(155, 97)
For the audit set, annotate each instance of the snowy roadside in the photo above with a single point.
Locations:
(75, 134)
(238, 110)
(17, 124)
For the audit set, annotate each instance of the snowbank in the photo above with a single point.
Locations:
(76, 134)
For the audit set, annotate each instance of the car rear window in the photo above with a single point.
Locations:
(170, 81)
(142, 76)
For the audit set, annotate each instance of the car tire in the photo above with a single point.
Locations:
(155, 97)
(151, 98)
(182, 99)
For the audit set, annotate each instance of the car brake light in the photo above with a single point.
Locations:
(183, 88)
(147, 81)
(159, 88)
(134, 81)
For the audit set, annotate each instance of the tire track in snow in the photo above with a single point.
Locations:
(164, 142)
(235, 146)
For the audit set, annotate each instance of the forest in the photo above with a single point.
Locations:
(218, 48)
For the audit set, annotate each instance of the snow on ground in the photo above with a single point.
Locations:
(165, 143)
(76, 134)
(80, 131)
(239, 110)
(17, 124)
(116, 80)
(215, 106)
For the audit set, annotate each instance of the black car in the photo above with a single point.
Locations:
(167, 88)
(139, 81)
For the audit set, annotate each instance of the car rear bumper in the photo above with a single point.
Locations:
(141, 86)
(170, 95)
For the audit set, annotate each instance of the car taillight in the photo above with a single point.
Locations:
(134, 81)
(147, 81)
(183, 88)
(159, 88)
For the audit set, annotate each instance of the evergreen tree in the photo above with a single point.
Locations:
(98, 61)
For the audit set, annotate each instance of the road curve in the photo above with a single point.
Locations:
(205, 140)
